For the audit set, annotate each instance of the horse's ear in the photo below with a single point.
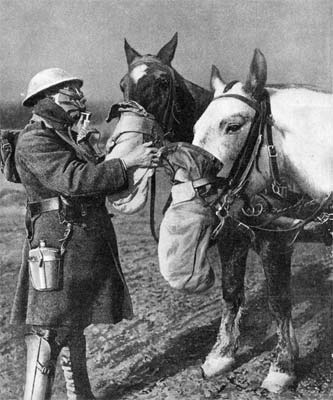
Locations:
(216, 82)
(131, 54)
(167, 52)
(256, 79)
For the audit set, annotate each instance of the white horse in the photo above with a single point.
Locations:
(302, 131)
(298, 158)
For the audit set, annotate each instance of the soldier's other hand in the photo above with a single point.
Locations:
(143, 155)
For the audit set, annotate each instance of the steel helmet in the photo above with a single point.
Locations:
(46, 79)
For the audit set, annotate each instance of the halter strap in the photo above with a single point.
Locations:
(134, 118)
(253, 104)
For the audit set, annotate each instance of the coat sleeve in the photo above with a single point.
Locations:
(55, 164)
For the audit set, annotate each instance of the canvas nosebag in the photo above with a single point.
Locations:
(188, 223)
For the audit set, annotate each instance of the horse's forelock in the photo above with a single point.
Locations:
(147, 92)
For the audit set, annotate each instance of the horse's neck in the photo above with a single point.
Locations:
(192, 100)
(202, 97)
(302, 134)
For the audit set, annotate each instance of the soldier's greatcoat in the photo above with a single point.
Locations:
(50, 163)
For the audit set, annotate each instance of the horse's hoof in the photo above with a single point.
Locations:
(277, 382)
(216, 366)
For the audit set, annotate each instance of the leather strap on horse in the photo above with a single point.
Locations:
(277, 187)
(136, 119)
(262, 119)
(245, 161)
(300, 225)
(152, 207)
(168, 117)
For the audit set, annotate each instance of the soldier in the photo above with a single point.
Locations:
(70, 276)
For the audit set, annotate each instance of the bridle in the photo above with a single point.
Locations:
(134, 118)
(237, 180)
(260, 131)
(169, 117)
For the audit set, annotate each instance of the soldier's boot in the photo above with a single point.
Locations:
(74, 365)
(42, 354)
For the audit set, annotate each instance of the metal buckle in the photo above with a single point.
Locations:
(218, 229)
(221, 212)
(270, 119)
(44, 369)
(6, 147)
(324, 217)
(223, 208)
(272, 150)
(279, 190)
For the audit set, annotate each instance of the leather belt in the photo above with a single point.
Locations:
(39, 207)
(71, 208)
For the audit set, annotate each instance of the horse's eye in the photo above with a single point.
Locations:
(233, 128)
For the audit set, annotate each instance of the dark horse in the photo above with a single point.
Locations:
(174, 103)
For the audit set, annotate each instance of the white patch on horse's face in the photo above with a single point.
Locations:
(138, 72)
(223, 127)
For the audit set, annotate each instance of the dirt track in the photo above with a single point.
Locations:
(157, 355)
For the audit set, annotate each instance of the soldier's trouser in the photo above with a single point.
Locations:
(74, 365)
(43, 348)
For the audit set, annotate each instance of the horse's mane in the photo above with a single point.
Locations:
(203, 96)
(296, 86)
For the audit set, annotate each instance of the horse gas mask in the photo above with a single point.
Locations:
(188, 223)
(71, 99)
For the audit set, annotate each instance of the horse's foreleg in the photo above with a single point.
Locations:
(233, 252)
(278, 274)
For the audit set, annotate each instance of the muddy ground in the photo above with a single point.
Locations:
(158, 354)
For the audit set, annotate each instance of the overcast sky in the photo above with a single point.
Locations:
(86, 38)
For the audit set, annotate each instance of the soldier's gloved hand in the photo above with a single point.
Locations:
(142, 156)
(86, 133)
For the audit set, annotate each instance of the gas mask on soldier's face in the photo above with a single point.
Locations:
(71, 99)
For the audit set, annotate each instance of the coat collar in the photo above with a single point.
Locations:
(53, 115)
